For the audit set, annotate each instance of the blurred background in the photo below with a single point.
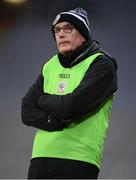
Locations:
(26, 43)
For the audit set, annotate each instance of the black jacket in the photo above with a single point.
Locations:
(53, 112)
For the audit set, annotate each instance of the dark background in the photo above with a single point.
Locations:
(26, 43)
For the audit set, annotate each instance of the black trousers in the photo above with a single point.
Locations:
(54, 168)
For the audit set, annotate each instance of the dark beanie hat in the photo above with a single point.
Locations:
(77, 17)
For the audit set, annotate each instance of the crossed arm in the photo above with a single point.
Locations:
(50, 112)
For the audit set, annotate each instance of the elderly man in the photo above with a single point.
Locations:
(70, 103)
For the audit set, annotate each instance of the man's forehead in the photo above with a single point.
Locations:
(60, 24)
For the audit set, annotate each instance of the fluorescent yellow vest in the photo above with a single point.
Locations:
(82, 140)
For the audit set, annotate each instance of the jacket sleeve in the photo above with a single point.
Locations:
(33, 116)
(99, 82)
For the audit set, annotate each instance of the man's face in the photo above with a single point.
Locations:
(67, 37)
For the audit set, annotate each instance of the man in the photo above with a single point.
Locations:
(70, 103)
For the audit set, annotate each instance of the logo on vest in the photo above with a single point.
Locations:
(64, 76)
(61, 87)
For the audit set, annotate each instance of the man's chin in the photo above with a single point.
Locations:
(65, 51)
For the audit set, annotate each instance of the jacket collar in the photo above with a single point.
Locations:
(87, 49)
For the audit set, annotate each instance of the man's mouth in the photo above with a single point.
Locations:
(63, 43)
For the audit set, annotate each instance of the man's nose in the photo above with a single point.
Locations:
(61, 33)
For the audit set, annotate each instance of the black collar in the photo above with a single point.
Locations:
(78, 55)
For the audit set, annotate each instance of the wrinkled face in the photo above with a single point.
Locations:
(67, 37)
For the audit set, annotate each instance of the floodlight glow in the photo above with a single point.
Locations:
(15, 1)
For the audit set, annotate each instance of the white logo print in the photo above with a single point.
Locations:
(61, 87)
(56, 19)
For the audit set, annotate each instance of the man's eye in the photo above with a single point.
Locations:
(56, 29)
(66, 28)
